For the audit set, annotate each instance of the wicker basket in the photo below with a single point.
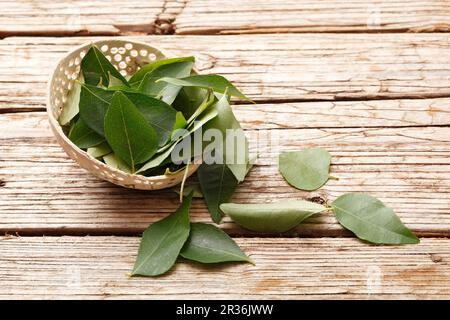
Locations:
(127, 56)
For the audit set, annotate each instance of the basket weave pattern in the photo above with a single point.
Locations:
(127, 56)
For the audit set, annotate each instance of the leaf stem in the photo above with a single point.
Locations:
(330, 177)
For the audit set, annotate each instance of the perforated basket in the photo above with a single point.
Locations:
(127, 56)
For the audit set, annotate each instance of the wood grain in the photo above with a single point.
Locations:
(44, 17)
(45, 192)
(278, 16)
(289, 268)
(268, 68)
(68, 18)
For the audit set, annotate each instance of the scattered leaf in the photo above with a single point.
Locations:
(218, 185)
(271, 217)
(307, 169)
(369, 219)
(162, 242)
(209, 244)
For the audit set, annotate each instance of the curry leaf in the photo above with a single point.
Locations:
(100, 150)
(212, 81)
(115, 162)
(136, 79)
(71, 106)
(158, 114)
(128, 133)
(165, 91)
(209, 244)
(206, 103)
(271, 217)
(83, 136)
(97, 69)
(369, 219)
(188, 99)
(94, 102)
(218, 185)
(307, 169)
(180, 121)
(192, 188)
(162, 242)
(234, 145)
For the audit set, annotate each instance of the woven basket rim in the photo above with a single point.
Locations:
(56, 126)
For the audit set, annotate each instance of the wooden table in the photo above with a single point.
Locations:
(367, 80)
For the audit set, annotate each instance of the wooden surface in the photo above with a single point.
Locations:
(45, 17)
(292, 268)
(343, 75)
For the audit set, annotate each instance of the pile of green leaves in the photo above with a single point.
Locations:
(131, 123)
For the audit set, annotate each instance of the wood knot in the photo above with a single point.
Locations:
(2, 183)
(164, 26)
(317, 199)
(435, 258)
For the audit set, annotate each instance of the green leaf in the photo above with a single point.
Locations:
(94, 102)
(162, 242)
(166, 151)
(218, 185)
(161, 90)
(188, 99)
(71, 106)
(234, 148)
(116, 83)
(136, 79)
(157, 160)
(307, 169)
(100, 150)
(115, 162)
(83, 136)
(128, 133)
(271, 217)
(209, 244)
(158, 114)
(206, 103)
(180, 121)
(192, 188)
(212, 81)
(369, 219)
(97, 69)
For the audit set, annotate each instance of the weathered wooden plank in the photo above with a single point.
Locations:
(44, 191)
(261, 16)
(286, 268)
(46, 17)
(266, 67)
